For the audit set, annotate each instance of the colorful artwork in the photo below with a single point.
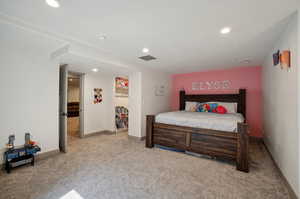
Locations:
(276, 58)
(121, 85)
(97, 95)
(285, 59)
(121, 117)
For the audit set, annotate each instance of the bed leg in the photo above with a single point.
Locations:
(242, 161)
(149, 131)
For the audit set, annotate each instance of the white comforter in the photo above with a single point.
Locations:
(221, 122)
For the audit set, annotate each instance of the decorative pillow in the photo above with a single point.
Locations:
(230, 107)
(220, 110)
(203, 107)
(191, 106)
(213, 106)
(206, 107)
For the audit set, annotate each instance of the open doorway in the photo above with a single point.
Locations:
(70, 106)
(74, 106)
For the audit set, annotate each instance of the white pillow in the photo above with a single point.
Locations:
(231, 107)
(191, 106)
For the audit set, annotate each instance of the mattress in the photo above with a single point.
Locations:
(222, 122)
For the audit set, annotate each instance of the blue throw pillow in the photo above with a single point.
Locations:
(213, 106)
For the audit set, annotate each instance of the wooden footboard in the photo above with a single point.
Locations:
(220, 144)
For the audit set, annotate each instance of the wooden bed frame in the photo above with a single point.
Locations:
(219, 144)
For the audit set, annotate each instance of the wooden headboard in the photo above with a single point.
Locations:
(239, 98)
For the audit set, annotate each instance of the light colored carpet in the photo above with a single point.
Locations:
(109, 166)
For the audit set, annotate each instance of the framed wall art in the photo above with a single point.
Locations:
(121, 86)
(285, 59)
(97, 93)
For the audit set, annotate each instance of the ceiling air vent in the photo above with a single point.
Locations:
(147, 58)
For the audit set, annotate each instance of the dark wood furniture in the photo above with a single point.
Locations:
(20, 156)
(73, 109)
(220, 144)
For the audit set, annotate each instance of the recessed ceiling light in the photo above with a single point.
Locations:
(145, 50)
(102, 37)
(70, 79)
(225, 30)
(95, 70)
(53, 3)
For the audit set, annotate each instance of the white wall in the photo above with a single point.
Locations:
(298, 95)
(121, 101)
(143, 101)
(73, 93)
(135, 104)
(280, 104)
(98, 117)
(152, 104)
(29, 89)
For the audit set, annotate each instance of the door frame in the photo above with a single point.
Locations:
(81, 101)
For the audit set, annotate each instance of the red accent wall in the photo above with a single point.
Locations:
(239, 77)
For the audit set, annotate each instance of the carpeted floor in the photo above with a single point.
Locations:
(109, 166)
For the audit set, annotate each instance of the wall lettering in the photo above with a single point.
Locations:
(211, 85)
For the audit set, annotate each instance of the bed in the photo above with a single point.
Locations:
(221, 136)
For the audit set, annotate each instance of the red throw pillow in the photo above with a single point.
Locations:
(220, 110)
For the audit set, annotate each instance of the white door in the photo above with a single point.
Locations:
(63, 112)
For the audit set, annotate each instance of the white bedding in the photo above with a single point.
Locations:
(214, 121)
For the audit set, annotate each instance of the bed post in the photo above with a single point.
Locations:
(149, 131)
(242, 102)
(181, 100)
(242, 161)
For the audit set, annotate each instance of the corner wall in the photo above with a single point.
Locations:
(143, 100)
(135, 104)
(152, 103)
(280, 102)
